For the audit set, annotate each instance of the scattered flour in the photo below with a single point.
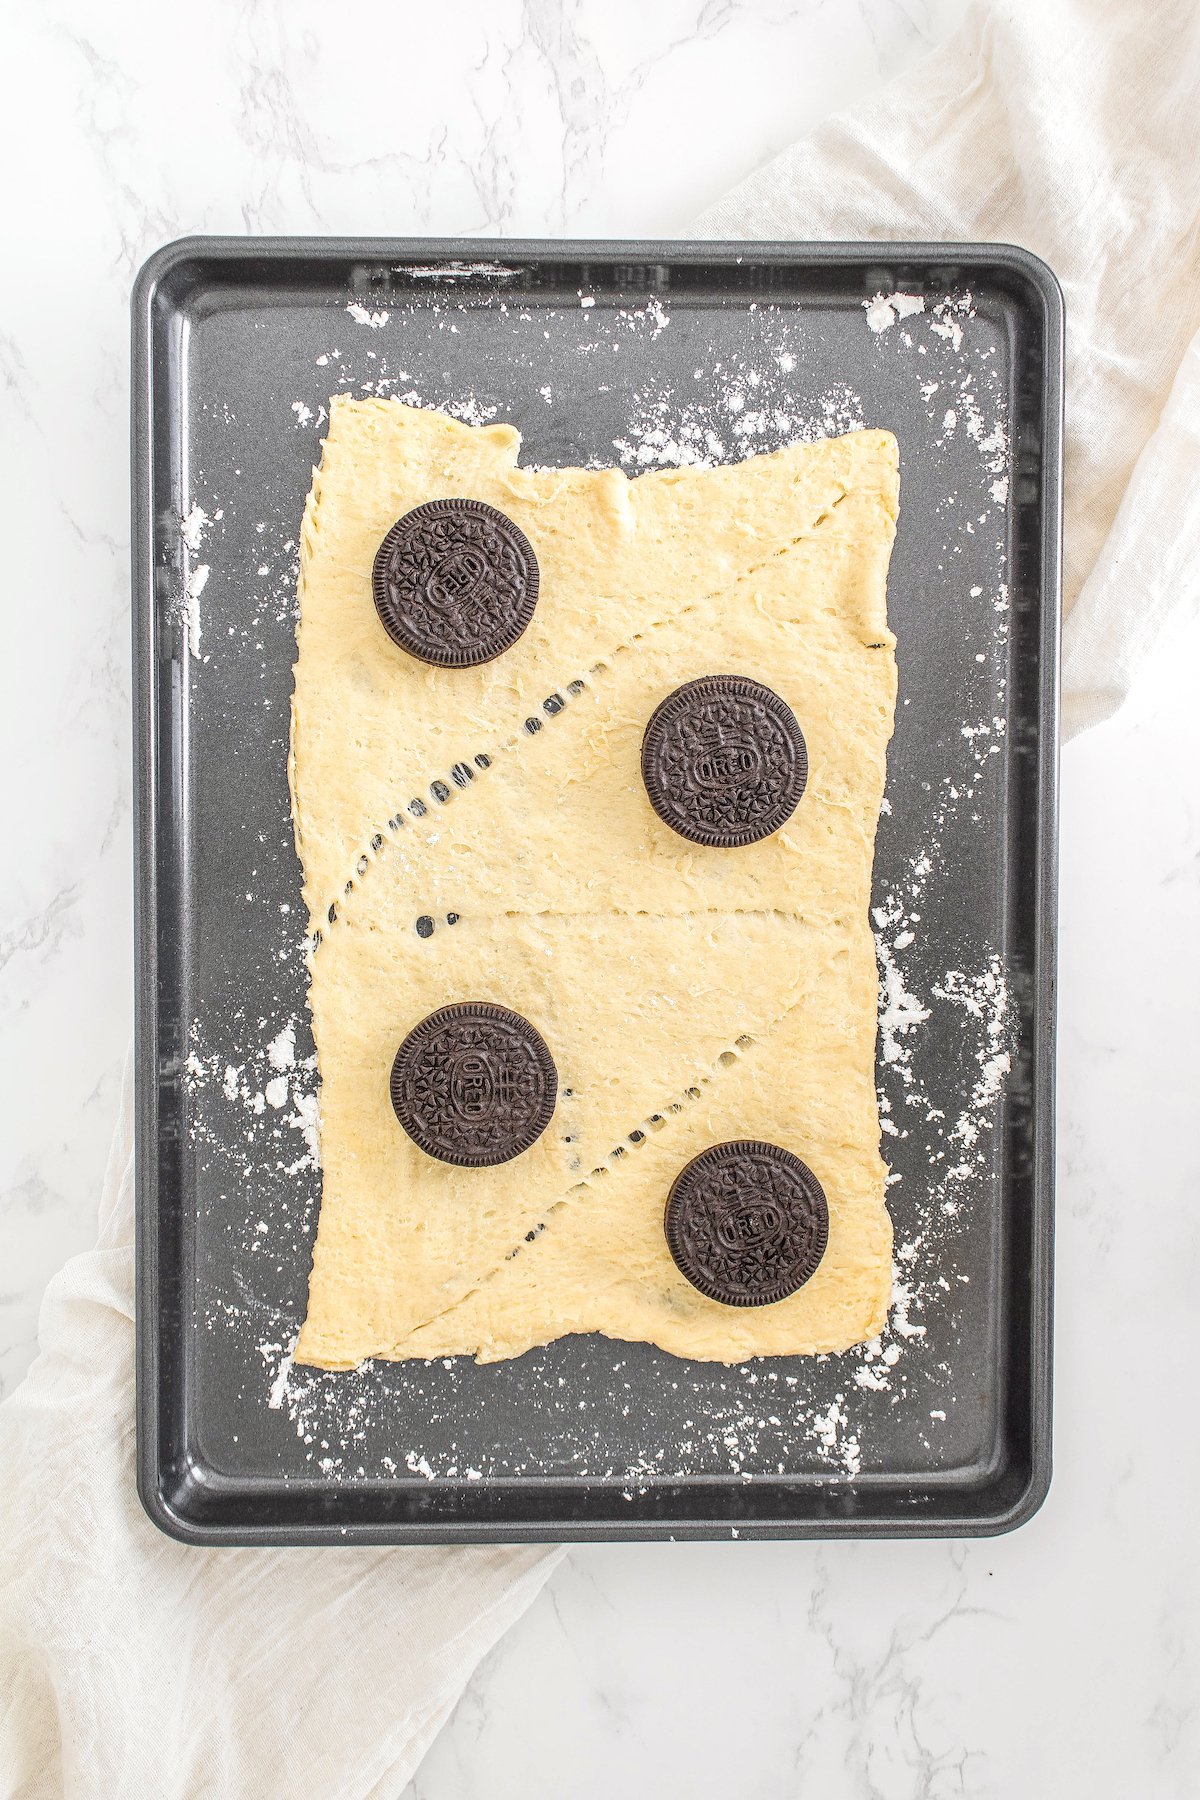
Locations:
(899, 1011)
(193, 589)
(743, 405)
(279, 1386)
(306, 1119)
(946, 325)
(363, 316)
(195, 581)
(884, 310)
(268, 1080)
(831, 1430)
(192, 527)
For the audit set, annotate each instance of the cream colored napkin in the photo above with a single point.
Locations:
(136, 1668)
(132, 1666)
(1071, 127)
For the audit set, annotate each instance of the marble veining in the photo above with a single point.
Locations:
(1062, 1660)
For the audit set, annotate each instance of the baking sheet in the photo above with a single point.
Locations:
(643, 355)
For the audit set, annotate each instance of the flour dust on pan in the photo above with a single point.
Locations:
(932, 373)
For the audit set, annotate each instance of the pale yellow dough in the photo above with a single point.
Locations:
(687, 995)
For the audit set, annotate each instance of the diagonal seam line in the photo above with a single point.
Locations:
(614, 1159)
(739, 1049)
(462, 781)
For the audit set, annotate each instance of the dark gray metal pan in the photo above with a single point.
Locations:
(598, 352)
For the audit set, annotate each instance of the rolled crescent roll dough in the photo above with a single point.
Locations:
(687, 995)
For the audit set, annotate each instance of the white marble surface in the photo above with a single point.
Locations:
(1063, 1660)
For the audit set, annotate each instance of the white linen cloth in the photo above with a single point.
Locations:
(133, 1666)
(136, 1668)
(1068, 126)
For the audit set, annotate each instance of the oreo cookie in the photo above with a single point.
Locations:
(474, 1085)
(747, 1223)
(724, 761)
(455, 583)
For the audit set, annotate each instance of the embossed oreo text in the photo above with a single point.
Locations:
(474, 1085)
(747, 1223)
(455, 583)
(724, 761)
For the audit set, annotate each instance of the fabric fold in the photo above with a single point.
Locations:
(134, 1665)
(1064, 126)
